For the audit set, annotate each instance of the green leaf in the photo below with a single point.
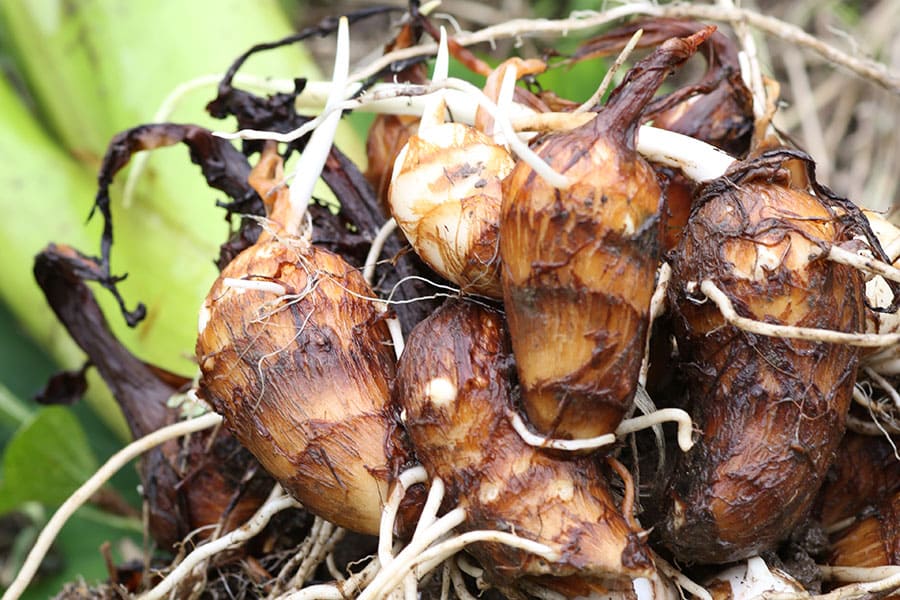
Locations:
(76, 553)
(46, 460)
(12, 410)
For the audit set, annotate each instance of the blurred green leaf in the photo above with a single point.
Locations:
(76, 553)
(46, 460)
(12, 410)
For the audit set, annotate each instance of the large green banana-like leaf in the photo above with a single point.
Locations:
(95, 67)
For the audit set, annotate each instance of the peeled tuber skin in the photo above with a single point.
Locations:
(771, 411)
(578, 265)
(303, 379)
(453, 386)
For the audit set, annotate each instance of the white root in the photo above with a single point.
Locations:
(864, 263)
(627, 426)
(171, 101)
(255, 285)
(698, 160)
(682, 580)
(319, 550)
(865, 589)
(397, 570)
(273, 505)
(342, 590)
(402, 569)
(375, 250)
(613, 69)
(540, 441)
(501, 121)
(406, 479)
(857, 574)
(885, 385)
(428, 559)
(302, 553)
(389, 227)
(92, 485)
(310, 164)
(657, 308)
(459, 584)
(721, 300)
(664, 415)
(873, 428)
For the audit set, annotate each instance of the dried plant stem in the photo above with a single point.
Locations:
(863, 67)
(90, 487)
(272, 506)
(721, 300)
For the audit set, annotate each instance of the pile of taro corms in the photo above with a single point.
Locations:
(629, 348)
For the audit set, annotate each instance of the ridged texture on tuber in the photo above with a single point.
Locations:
(865, 471)
(578, 265)
(873, 541)
(445, 195)
(453, 384)
(771, 411)
(303, 379)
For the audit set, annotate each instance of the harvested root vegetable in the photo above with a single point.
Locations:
(772, 411)
(387, 137)
(446, 193)
(453, 386)
(579, 263)
(873, 541)
(865, 471)
(295, 354)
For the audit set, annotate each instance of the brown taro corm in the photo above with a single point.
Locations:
(579, 263)
(446, 191)
(190, 484)
(453, 386)
(717, 110)
(302, 379)
(771, 411)
(872, 542)
(865, 471)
